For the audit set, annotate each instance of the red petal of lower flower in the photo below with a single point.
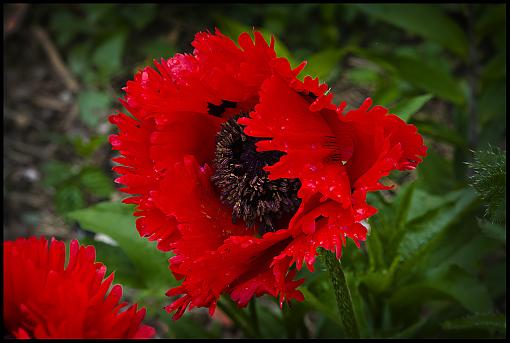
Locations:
(42, 299)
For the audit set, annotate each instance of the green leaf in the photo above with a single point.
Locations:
(93, 107)
(496, 279)
(108, 55)
(403, 204)
(491, 21)
(411, 330)
(158, 48)
(427, 21)
(406, 108)
(322, 63)
(439, 131)
(436, 173)
(237, 314)
(379, 59)
(380, 281)
(425, 231)
(95, 12)
(316, 303)
(453, 283)
(388, 226)
(96, 182)
(387, 91)
(117, 221)
(67, 26)
(69, 198)
(467, 252)
(363, 76)
(56, 173)
(496, 67)
(190, 326)
(492, 230)
(116, 261)
(375, 250)
(424, 75)
(139, 15)
(270, 320)
(293, 320)
(492, 103)
(423, 204)
(417, 71)
(492, 112)
(85, 146)
(487, 321)
(79, 59)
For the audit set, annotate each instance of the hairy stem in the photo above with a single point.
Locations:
(342, 293)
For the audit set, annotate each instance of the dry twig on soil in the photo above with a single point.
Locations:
(55, 59)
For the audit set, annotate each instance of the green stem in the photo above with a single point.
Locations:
(287, 322)
(237, 317)
(254, 316)
(342, 293)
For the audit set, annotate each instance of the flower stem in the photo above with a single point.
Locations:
(342, 293)
(254, 316)
(234, 313)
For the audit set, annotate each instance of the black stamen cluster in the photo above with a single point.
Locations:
(244, 185)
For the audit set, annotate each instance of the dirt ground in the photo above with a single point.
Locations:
(39, 108)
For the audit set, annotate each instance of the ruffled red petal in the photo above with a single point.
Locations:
(337, 158)
(186, 194)
(384, 142)
(44, 299)
(241, 266)
(172, 120)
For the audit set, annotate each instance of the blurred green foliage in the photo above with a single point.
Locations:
(72, 183)
(431, 266)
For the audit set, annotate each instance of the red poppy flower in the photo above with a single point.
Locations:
(45, 299)
(243, 171)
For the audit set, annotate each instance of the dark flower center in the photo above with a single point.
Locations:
(218, 110)
(244, 185)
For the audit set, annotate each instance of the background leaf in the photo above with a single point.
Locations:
(322, 64)
(116, 261)
(430, 229)
(93, 106)
(96, 182)
(108, 56)
(418, 19)
(69, 198)
(116, 220)
(492, 230)
(429, 78)
(405, 109)
(484, 321)
(56, 172)
(453, 283)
